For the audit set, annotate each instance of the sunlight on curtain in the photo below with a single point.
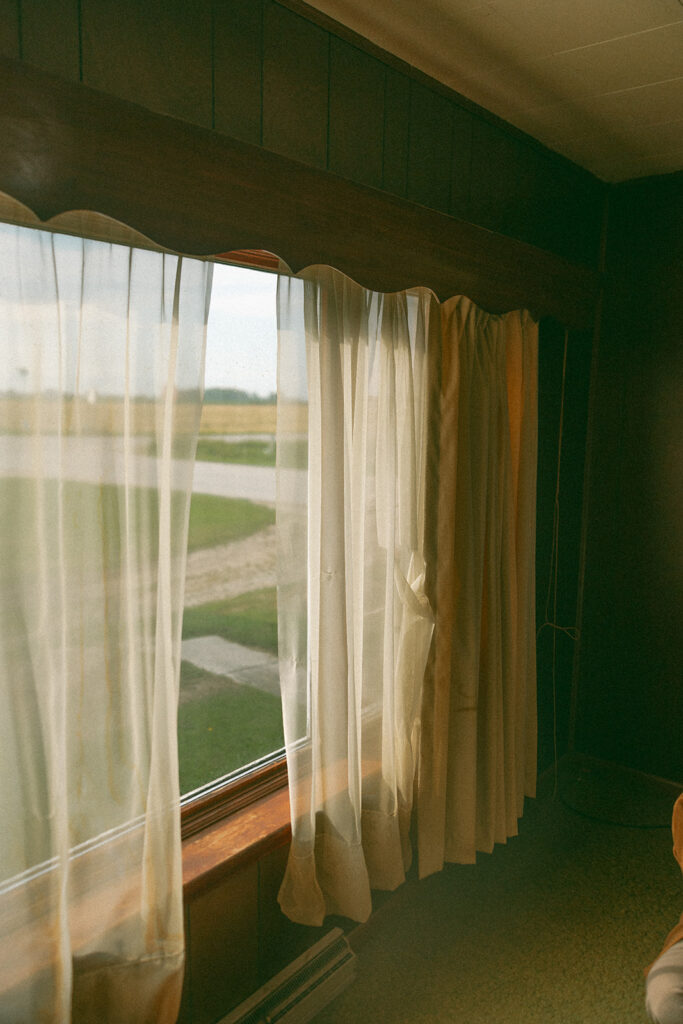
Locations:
(478, 756)
(354, 622)
(100, 389)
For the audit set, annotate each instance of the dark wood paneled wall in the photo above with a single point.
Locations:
(69, 147)
(261, 72)
(630, 672)
(237, 938)
(562, 410)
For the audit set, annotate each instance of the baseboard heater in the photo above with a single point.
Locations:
(302, 989)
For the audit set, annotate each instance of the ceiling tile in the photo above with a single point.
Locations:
(609, 162)
(582, 76)
(574, 117)
(641, 59)
(649, 104)
(565, 24)
(612, 154)
(658, 163)
(641, 167)
(490, 28)
(658, 138)
(401, 26)
(623, 110)
(509, 90)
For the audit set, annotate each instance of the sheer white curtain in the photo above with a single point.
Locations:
(100, 390)
(354, 622)
(478, 757)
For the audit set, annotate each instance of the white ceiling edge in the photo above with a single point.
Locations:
(616, 115)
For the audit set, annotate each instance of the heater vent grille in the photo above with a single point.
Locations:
(301, 990)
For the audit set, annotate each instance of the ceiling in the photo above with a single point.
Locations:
(600, 81)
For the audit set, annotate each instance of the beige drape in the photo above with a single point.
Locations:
(100, 384)
(406, 474)
(478, 754)
(354, 622)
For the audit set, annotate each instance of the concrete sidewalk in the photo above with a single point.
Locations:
(242, 664)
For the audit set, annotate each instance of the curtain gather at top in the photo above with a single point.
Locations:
(416, 425)
(100, 389)
(478, 754)
(354, 621)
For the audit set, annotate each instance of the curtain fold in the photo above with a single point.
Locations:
(478, 755)
(100, 392)
(407, 436)
(354, 621)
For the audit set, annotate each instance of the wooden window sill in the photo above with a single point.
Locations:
(251, 831)
(242, 838)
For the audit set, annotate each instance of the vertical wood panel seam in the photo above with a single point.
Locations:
(20, 33)
(451, 169)
(468, 201)
(409, 147)
(212, 47)
(329, 94)
(262, 51)
(577, 683)
(412, 73)
(384, 126)
(79, 18)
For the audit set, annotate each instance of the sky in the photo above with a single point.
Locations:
(42, 341)
(241, 344)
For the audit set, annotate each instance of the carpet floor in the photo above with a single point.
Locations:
(555, 927)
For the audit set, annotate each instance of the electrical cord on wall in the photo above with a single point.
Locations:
(553, 572)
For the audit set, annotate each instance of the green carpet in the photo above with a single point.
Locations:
(556, 927)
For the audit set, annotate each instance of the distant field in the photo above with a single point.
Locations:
(98, 416)
(106, 416)
(253, 419)
(237, 419)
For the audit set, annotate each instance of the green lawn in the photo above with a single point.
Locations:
(250, 619)
(222, 731)
(227, 726)
(246, 453)
(219, 520)
(223, 725)
(213, 520)
(251, 452)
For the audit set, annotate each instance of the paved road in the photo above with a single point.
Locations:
(101, 460)
(257, 483)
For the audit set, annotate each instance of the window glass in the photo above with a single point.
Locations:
(230, 713)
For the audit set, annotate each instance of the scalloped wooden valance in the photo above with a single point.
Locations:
(68, 147)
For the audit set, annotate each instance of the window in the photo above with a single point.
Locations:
(230, 719)
(230, 715)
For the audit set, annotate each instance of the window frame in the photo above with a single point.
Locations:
(222, 797)
(225, 797)
(230, 193)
